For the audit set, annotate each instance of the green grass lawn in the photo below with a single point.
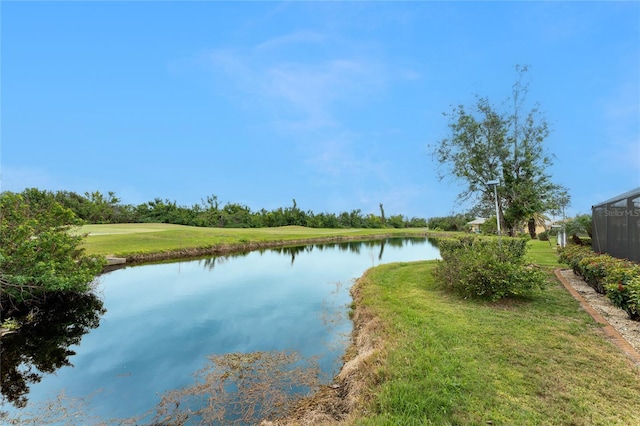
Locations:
(532, 361)
(543, 253)
(141, 238)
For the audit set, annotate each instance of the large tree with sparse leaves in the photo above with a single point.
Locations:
(488, 143)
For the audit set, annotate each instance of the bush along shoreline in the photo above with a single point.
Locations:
(487, 268)
(39, 257)
(618, 279)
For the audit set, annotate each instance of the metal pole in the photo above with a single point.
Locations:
(495, 194)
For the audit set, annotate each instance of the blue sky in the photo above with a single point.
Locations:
(331, 103)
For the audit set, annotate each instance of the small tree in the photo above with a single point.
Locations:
(396, 221)
(580, 224)
(490, 226)
(38, 254)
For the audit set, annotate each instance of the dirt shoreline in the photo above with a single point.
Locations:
(338, 402)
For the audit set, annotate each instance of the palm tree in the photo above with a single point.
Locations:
(579, 225)
(537, 219)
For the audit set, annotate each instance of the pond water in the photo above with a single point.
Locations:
(151, 327)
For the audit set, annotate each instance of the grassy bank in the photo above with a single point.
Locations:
(447, 361)
(139, 239)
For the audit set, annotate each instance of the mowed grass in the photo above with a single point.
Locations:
(532, 361)
(140, 238)
(543, 254)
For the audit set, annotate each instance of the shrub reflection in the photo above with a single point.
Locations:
(41, 345)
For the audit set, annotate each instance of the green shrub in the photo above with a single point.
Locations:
(572, 255)
(633, 303)
(486, 268)
(543, 236)
(619, 279)
(38, 254)
(621, 283)
(595, 268)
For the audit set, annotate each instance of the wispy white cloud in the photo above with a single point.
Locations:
(305, 94)
(302, 94)
(336, 160)
(310, 94)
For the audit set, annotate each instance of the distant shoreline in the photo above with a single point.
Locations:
(224, 249)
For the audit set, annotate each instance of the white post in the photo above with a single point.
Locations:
(563, 240)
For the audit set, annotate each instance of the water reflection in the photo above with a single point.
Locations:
(42, 345)
(211, 262)
(354, 247)
(293, 251)
(165, 320)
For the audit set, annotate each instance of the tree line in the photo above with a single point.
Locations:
(98, 208)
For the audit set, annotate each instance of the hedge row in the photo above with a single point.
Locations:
(619, 279)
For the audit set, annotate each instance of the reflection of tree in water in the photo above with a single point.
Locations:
(41, 346)
(396, 242)
(294, 251)
(350, 246)
(210, 262)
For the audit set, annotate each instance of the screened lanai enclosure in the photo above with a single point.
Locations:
(616, 226)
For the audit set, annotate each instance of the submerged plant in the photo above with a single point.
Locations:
(241, 388)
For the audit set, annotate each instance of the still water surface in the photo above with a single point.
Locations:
(162, 320)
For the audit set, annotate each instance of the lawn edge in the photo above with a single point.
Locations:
(611, 333)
